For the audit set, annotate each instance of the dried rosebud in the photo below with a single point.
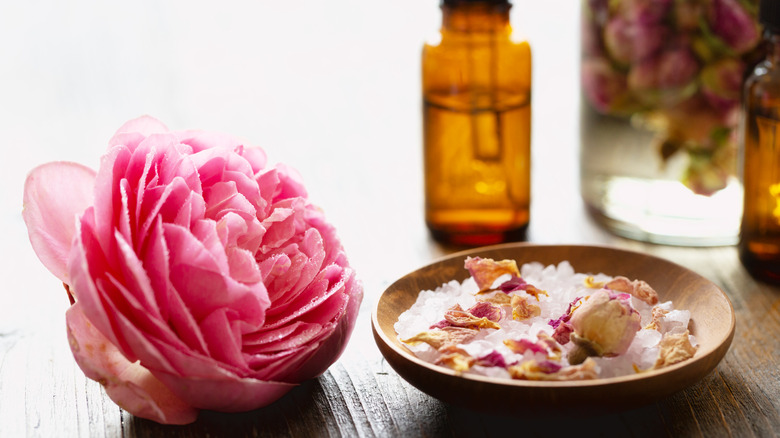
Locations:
(522, 309)
(644, 11)
(629, 41)
(704, 175)
(637, 288)
(486, 271)
(674, 348)
(734, 25)
(665, 79)
(603, 86)
(721, 83)
(686, 15)
(603, 325)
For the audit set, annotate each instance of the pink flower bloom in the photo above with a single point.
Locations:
(203, 278)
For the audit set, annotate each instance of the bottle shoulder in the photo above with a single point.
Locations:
(443, 47)
(764, 79)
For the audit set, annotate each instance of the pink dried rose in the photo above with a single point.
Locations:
(443, 337)
(674, 348)
(202, 277)
(734, 25)
(552, 371)
(486, 271)
(637, 288)
(492, 359)
(604, 325)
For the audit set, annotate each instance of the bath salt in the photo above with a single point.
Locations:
(538, 322)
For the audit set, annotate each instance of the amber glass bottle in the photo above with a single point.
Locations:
(759, 246)
(476, 83)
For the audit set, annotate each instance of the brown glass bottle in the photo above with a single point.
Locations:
(759, 246)
(476, 83)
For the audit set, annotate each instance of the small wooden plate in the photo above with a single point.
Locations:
(712, 323)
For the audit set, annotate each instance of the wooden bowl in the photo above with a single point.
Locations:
(712, 323)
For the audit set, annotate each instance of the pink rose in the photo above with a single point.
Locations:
(201, 277)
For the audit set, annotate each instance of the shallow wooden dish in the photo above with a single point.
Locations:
(712, 322)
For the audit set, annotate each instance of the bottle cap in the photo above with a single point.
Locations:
(460, 2)
(769, 14)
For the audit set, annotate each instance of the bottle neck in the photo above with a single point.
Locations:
(772, 41)
(475, 17)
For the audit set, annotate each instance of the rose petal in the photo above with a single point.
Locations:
(54, 195)
(227, 394)
(129, 385)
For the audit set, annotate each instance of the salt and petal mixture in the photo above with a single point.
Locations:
(545, 323)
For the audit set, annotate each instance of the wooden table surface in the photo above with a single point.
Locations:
(331, 88)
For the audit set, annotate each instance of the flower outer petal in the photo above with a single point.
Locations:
(128, 384)
(50, 215)
(486, 271)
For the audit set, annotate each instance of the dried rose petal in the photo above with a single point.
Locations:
(548, 370)
(535, 292)
(551, 344)
(458, 317)
(522, 310)
(554, 323)
(492, 359)
(513, 284)
(674, 348)
(658, 314)
(562, 333)
(486, 271)
(443, 337)
(534, 370)
(637, 288)
(603, 326)
(458, 361)
(585, 371)
(500, 299)
(487, 310)
(520, 346)
(591, 283)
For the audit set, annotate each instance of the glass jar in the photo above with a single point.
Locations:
(661, 87)
(476, 86)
